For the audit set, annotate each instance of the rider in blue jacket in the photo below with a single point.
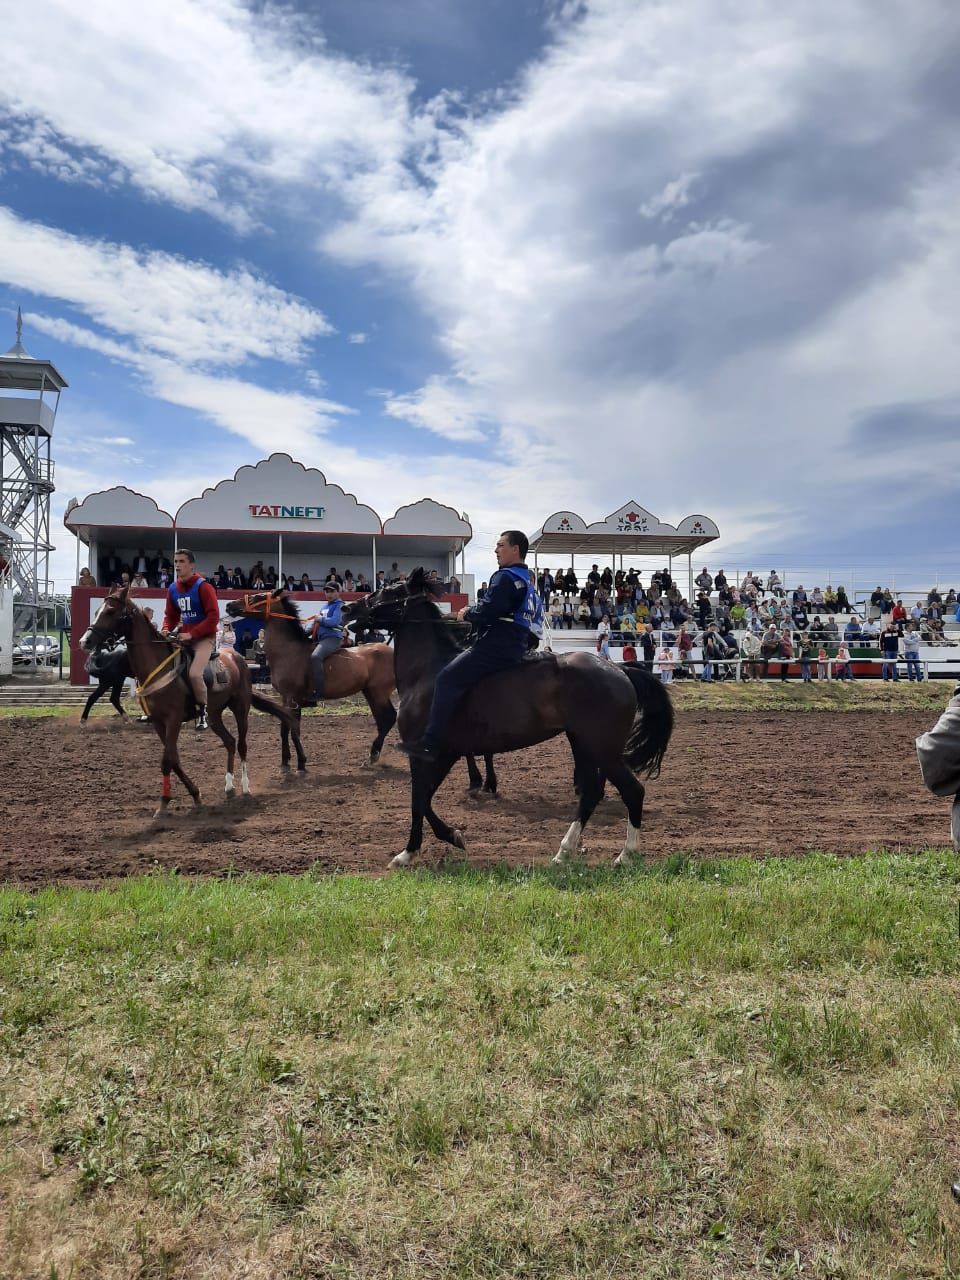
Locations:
(508, 620)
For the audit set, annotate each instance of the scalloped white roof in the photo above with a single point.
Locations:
(629, 527)
(118, 506)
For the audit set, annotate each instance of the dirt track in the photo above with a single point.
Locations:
(75, 802)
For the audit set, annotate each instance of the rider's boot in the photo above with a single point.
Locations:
(316, 674)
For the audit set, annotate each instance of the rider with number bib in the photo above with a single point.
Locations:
(508, 620)
(192, 615)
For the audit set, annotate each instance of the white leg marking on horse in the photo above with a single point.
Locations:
(570, 844)
(403, 859)
(631, 847)
(244, 779)
(228, 784)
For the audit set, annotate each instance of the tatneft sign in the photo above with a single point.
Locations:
(282, 512)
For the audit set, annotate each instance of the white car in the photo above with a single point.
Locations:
(36, 651)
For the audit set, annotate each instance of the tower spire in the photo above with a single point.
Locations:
(17, 351)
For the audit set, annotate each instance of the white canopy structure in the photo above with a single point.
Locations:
(631, 531)
(278, 510)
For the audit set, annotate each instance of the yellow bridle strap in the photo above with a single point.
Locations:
(142, 688)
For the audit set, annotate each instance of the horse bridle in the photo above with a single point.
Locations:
(253, 607)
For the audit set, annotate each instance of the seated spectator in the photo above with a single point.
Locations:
(816, 598)
(851, 632)
(641, 611)
(934, 597)
(843, 604)
(256, 581)
(704, 608)
(738, 615)
(304, 584)
(950, 599)
(831, 629)
(258, 571)
(876, 600)
(139, 580)
(627, 624)
(774, 583)
(86, 578)
(569, 612)
(349, 585)
(817, 629)
(899, 615)
(830, 601)
(799, 595)
(270, 578)
(799, 616)
(917, 612)
(886, 604)
(237, 581)
(869, 632)
(583, 614)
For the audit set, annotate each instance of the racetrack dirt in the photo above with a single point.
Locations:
(76, 801)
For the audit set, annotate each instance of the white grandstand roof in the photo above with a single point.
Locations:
(631, 529)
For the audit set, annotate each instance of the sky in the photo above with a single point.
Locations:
(516, 255)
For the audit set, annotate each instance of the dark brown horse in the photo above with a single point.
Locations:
(156, 662)
(616, 724)
(365, 668)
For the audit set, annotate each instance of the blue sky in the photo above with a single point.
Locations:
(519, 256)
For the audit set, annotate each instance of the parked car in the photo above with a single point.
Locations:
(36, 651)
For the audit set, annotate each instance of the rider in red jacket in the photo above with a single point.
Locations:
(192, 615)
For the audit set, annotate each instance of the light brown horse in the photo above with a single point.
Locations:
(156, 663)
(364, 668)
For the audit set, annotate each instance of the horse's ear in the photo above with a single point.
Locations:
(122, 594)
(278, 593)
(417, 580)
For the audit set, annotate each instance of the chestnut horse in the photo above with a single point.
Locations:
(156, 663)
(364, 668)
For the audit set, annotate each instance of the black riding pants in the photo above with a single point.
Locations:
(466, 670)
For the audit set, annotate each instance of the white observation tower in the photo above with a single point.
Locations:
(29, 396)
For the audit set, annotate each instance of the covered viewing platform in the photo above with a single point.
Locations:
(631, 531)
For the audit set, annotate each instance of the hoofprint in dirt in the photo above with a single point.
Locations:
(76, 801)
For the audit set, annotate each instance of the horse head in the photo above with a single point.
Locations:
(114, 618)
(383, 607)
(259, 604)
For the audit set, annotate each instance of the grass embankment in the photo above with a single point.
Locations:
(692, 1071)
(689, 695)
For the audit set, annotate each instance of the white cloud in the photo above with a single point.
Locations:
(162, 303)
(358, 339)
(441, 407)
(198, 104)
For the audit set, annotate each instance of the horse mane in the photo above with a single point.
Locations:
(451, 636)
(291, 623)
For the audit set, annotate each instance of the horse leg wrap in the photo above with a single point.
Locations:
(228, 784)
(244, 779)
(570, 844)
(165, 788)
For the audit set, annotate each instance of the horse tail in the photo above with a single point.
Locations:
(650, 736)
(260, 703)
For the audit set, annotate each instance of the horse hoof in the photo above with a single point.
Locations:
(475, 793)
(230, 795)
(458, 841)
(623, 859)
(402, 859)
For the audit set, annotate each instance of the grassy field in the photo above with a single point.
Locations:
(739, 1069)
(690, 695)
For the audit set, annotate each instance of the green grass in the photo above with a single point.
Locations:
(836, 695)
(697, 1070)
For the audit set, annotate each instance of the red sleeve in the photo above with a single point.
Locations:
(211, 608)
(171, 615)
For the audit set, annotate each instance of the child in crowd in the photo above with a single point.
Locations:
(665, 665)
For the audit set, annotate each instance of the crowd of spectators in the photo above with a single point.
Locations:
(157, 571)
(759, 622)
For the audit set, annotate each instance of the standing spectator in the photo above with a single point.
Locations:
(603, 638)
(786, 653)
(720, 581)
(704, 580)
(665, 664)
(684, 647)
(260, 653)
(807, 649)
(704, 608)
(842, 666)
(769, 648)
(556, 613)
(648, 646)
(545, 585)
(713, 651)
(890, 648)
(911, 651)
(823, 664)
(750, 650)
